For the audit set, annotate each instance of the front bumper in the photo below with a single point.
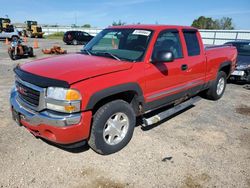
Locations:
(55, 127)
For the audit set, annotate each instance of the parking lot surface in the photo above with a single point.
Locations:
(207, 145)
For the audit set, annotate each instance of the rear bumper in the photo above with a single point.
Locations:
(57, 128)
(245, 77)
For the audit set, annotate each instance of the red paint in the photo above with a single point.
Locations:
(98, 73)
(63, 135)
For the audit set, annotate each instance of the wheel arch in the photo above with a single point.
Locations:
(129, 92)
(226, 67)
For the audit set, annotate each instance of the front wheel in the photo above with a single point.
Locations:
(113, 127)
(217, 89)
(12, 54)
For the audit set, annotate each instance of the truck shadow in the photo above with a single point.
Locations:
(78, 148)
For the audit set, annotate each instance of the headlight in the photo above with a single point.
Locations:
(63, 100)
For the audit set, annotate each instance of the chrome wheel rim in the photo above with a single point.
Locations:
(220, 86)
(116, 128)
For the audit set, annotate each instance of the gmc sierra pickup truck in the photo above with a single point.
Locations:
(124, 72)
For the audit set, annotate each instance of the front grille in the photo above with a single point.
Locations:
(28, 94)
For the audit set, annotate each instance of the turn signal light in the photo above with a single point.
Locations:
(73, 95)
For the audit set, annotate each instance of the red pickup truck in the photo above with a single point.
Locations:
(122, 73)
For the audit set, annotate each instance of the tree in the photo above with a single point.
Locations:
(204, 23)
(208, 23)
(118, 23)
(87, 26)
(225, 23)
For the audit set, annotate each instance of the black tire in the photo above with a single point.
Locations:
(14, 37)
(12, 55)
(212, 93)
(74, 42)
(248, 77)
(97, 139)
(31, 53)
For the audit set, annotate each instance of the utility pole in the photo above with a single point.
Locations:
(75, 19)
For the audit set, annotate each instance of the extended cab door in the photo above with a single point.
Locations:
(195, 60)
(165, 78)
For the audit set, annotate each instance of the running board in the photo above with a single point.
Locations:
(169, 112)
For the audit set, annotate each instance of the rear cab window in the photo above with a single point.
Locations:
(192, 42)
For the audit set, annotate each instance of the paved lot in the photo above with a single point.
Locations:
(205, 146)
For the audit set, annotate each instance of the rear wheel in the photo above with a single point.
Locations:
(217, 89)
(113, 127)
(31, 53)
(74, 42)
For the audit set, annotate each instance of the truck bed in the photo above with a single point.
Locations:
(216, 55)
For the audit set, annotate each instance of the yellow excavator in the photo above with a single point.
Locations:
(33, 30)
(5, 25)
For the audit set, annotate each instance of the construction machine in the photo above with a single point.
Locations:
(33, 30)
(5, 25)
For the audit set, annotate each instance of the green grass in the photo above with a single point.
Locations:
(57, 35)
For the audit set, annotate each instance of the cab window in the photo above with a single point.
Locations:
(192, 43)
(169, 41)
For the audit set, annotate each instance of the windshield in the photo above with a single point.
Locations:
(243, 48)
(120, 44)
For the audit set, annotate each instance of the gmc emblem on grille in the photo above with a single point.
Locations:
(21, 90)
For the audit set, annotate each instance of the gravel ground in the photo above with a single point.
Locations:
(205, 146)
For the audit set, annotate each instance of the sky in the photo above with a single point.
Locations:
(101, 13)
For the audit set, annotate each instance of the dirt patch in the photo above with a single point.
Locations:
(244, 110)
(98, 181)
(245, 140)
(196, 182)
(214, 137)
(248, 182)
(87, 172)
(107, 183)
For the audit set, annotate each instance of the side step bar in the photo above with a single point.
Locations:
(169, 112)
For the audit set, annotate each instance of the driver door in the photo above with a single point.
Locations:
(165, 78)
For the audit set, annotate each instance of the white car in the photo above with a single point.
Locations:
(9, 35)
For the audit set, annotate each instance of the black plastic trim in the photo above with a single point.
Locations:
(190, 30)
(40, 81)
(171, 98)
(95, 98)
(225, 64)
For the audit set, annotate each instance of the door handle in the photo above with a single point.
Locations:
(184, 67)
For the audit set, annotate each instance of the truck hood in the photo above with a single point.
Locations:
(75, 67)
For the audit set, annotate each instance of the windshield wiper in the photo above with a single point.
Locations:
(109, 55)
(86, 51)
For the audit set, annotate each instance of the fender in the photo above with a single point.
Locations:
(225, 64)
(132, 86)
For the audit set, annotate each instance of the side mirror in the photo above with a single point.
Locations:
(163, 56)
